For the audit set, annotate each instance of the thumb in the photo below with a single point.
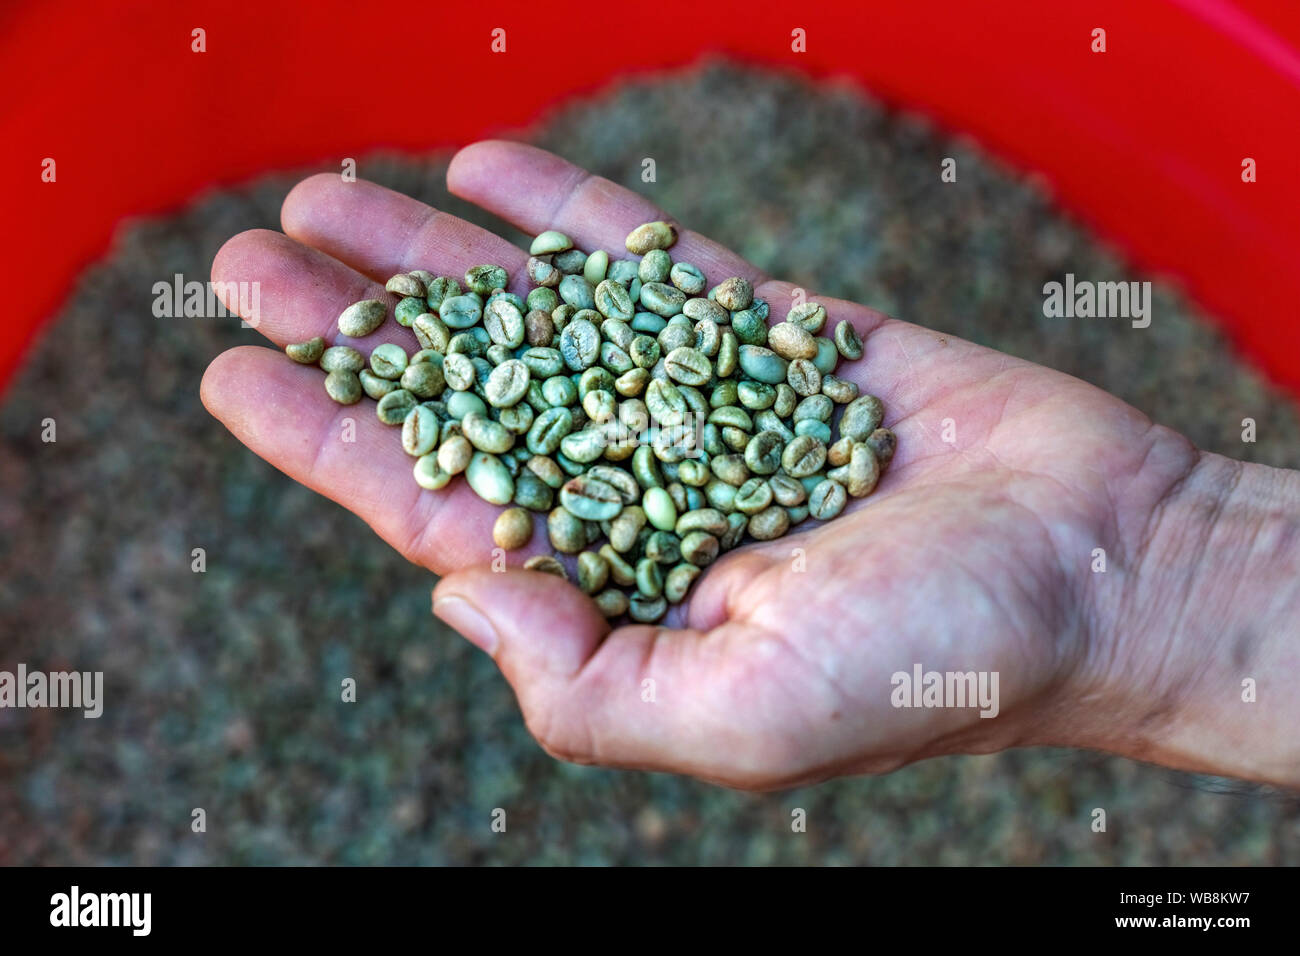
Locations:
(641, 696)
(534, 625)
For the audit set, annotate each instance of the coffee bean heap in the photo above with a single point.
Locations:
(625, 403)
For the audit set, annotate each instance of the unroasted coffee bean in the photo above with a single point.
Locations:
(513, 529)
(624, 403)
(734, 294)
(342, 358)
(827, 500)
(546, 565)
(651, 235)
(306, 353)
(769, 524)
(593, 572)
(343, 387)
(361, 318)
(883, 442)
(861, 417)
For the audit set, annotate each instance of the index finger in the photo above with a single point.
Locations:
(536, 190)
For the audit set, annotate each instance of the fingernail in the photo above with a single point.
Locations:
(469, 620)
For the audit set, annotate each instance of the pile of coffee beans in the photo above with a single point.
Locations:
(656, 425)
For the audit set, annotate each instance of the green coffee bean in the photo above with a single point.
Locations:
(819, 430)
(721, 495)
(753, 496)
(708, 520)
(431, 332)
(847, 340)
(861, 417)
(490, 479)
(507, 384)
(763, 453)
(543, 299)
(504, 322)
(546, 565)
(548, 429)
(591, 499)
(458, 371)
(803, 377)
(828, 356)
(646, 610)
(513, 529)
(403, 284)
(362, 318)
(454, 454)
(651, 235)
(791, 341)
(769, 524)
(620, 571)
(731, 468)
(763, 365)
(420, 431)
(517, 419)
(461, 404)
(460, 311)
(532, 493)
(663, 547)
(864, 471)
(688, 366)
(731, 416)
(388, 361)
(686, 277)
(699, 548)
(804, 456)
(662, 299)
(839, 390)
(306, 353)
(549, 242)
(343, 387)
(428, 473)
(543, 363)
(374, 386)
(649, 578)
(580, 344)
(585, 446)
(734, 294)
(737, 525)
(593, 572)
(577, 291)
(883, 442)
(618, 478)
(443, 287)
(659, 508)
(487, 435)
(393, 408)
(810, 316)
(827, 500)
(567, 533)
(486, 279)
(612, 300)
(611, 603)
(547, 470)
(615, 359)
(342, 358)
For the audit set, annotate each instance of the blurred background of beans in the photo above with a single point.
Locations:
(222, 688)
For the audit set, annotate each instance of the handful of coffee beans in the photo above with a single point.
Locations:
(654, 423)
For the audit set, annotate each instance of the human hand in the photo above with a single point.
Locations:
(974, 553)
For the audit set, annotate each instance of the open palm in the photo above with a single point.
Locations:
(973, 553)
